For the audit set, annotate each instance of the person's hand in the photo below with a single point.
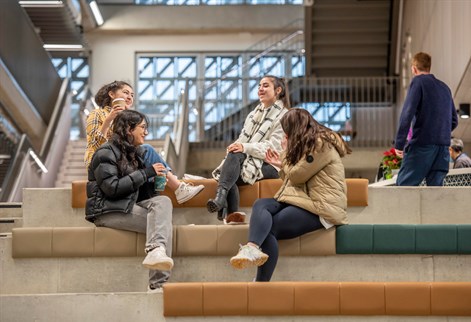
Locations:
(272, 157)
(160, 169)
(399, 153)
(235, 147)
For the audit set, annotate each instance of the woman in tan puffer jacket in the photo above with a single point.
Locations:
(312, 196)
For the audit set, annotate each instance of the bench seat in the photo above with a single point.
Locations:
(357, 192)
(223, 240)
(317, 298)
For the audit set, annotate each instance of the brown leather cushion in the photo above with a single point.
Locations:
(357, 192)
(318, 298)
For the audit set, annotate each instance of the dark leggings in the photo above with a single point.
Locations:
(272, 221)
(230, 178)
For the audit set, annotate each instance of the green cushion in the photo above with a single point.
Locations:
(436, 239)
(354, 239)
(394, 239)
(464, 239)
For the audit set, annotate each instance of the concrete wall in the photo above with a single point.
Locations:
(158, 29)
(440, 28)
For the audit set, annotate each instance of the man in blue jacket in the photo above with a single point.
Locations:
(430, 112)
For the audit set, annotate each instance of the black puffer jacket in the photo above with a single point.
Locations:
(107, 191)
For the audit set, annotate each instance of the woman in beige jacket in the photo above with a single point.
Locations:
(312, 196)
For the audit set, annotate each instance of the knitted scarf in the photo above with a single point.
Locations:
(256, 129)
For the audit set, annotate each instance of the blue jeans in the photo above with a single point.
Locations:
(429, 162)
(151, 157)
(272, 221)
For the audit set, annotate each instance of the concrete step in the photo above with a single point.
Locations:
(7, 224)
(11, 209)
(144, 307)
(126, 274)
(104, 307)
(386, 205)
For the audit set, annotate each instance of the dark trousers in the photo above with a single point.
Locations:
(429, 162)
(230, 178)
(272, 221)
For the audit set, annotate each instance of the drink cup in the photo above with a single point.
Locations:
(118, 102)
(160, 182)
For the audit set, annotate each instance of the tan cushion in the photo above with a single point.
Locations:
(229, 237)
(451, 298)
(290, 247)
(407, 298)
(362, 298)
(31, 242)
(79, 193)
(114, 243)
(225, 298)
(73, 241)
(271, 298)
(321, 298)
(318, 243)
(196, 240)
(357, 192)
(269, 187)
(183, 299)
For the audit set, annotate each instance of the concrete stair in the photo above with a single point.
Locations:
(348, 37)
(114, 289)
(11, 216)
(73, 166)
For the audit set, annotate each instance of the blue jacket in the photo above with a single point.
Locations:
(430, 110)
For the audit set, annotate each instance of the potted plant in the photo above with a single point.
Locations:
(391, 161)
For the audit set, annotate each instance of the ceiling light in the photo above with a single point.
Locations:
(45, 3)
(62, 47)
(464, 110)
(96, 13)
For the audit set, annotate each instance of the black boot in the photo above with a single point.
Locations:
(219, 202)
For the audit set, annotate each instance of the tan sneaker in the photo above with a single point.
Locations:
(248, 256)
(186, 191)
(157, 259)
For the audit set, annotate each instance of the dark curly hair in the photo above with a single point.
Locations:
(102, 98)
(303, 132)
(123, 124)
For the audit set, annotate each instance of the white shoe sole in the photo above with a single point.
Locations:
(160, 266)
(197, 191)
(241, 263)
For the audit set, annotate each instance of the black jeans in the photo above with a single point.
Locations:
(230, 178)
(272, 221)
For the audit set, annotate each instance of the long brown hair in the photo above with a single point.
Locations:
(284, 94)
(102, 97)
(303, 133)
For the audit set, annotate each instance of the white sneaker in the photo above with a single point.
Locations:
(157, 259)
(186, 191)
(154, 290)
(248, 256)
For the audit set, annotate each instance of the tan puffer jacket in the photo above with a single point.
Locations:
(319, 185)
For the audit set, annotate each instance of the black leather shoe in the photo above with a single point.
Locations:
(219, 202)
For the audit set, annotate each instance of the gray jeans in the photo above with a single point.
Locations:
(152, 217)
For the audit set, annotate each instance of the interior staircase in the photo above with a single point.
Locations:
(348, 37)
(73, 167)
